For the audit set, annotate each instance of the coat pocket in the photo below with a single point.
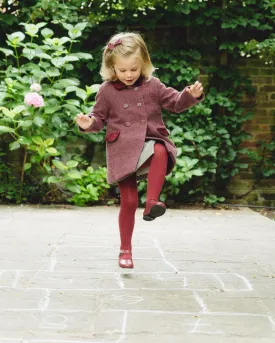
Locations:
(163, 131)
(112, 136)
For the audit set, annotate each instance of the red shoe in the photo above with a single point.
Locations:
(125, 259)
(153, 210)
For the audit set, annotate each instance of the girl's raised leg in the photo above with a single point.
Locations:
(156, 176)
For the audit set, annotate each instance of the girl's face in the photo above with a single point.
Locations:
(128, 69)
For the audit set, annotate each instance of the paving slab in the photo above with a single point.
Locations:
(200, 276)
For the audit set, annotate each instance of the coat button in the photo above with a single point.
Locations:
(142, 121)
(127, 123)
(139, 104)
(136, 88)
(125, 105)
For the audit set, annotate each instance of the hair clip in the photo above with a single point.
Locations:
(112, 46)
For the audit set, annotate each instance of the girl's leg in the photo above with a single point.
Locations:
(156, 176)
(126, 219)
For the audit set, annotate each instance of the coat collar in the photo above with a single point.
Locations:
(118, 85)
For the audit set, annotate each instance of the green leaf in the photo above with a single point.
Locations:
(24, 140)
(31, 29)
(43, 55)
(197, 172)
(52, 151)
(70, 58)
(82, 55)
(71, 89)
(47, 33)
(68, 66)
(5, 129)
(56, 92)
(188, 135)
(39, 121)
(74, 33)
(73, 102)
(67, 26)
(66, 83)
(37, 140)
(64, 40)
(14, 145)
(52, 72)
(81, 94)
(74, 175)
(81, 26)
(27, 166)
(7, 112)
(7, 52)
(51, 109)
(49, 141)
(59, 165)
(58, 61)
(25, 123)
(4, 95)
(54, 179)
(74, 188)
(92, 89)
(16, 38)
(18, 109)
(72, 164)
(71, 108)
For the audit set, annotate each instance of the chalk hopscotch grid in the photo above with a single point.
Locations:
(46, 297)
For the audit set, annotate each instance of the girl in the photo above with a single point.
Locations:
(129, 102)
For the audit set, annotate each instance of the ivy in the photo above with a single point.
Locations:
(187, 39)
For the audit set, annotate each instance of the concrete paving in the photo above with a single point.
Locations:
(200, 276)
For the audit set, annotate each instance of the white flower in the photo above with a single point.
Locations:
(35, 87)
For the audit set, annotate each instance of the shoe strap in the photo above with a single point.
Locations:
(125, 251)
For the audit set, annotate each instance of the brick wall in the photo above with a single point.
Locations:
(262, 126)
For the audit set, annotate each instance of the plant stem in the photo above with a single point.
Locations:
(22, 175)
(17, 58)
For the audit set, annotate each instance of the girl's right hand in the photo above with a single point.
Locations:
(84, 121)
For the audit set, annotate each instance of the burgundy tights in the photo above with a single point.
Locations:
(129, 194)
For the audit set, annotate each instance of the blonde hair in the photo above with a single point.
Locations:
(125, 44)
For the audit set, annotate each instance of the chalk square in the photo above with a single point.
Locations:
(75, 280)
(26, 299)
(234, 303)
(246, 325)
(156, 280)
(14, 278)
(150, 300)
(155, 322)
(62, 325)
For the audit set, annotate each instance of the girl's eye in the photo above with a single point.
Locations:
(134, 69)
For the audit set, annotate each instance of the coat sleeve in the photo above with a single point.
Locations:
(99, 112)
(175, 101)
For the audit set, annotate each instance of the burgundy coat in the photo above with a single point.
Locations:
(133, 114)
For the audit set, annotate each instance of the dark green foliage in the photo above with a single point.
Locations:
(187, 39)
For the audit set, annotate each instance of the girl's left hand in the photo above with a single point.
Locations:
(196, 89)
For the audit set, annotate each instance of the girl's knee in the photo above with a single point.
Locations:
(130, 203)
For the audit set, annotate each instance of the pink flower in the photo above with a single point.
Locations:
(34, 99)
(35, 87)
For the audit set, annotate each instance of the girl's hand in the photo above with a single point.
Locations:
(84, 121)
(195, 90)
